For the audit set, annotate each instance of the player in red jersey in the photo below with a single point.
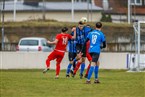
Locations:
(59, 51)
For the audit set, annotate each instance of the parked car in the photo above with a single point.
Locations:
(33, 44)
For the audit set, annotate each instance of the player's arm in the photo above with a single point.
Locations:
(104, 45)
(53, 42)
(74, 36)
(104, 42)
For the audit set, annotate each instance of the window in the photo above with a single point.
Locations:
(29, 42)
(136, 2)
(80, 0)
(44, 42)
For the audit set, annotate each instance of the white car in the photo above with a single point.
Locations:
(33, 44)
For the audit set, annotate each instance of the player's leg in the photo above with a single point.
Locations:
(70, 56)
(49, 58)
(90, 72)
(78, 49)
(90, 60)
(77, 67)
(59, 58)
(96, 70)
(68, 69)
(73, 60)
(82, 67)
(74, 63)
(95, 57)
(87, 71)
(57, 69)
(83, 62)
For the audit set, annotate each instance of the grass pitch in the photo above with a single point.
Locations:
(32, 83)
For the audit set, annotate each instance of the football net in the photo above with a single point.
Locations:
(137, 59)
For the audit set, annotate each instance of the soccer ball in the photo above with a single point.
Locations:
(83, 19)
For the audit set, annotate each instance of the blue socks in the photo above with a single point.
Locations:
(74, 63)
(82, 68)
(90, 72)
(68, 69)
(96, 71)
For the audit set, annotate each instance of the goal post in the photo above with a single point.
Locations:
(137, 60)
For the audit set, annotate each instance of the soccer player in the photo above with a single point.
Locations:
(89, 58)
(71, 53)
(96, 38)
(81, 35)
(59, 51)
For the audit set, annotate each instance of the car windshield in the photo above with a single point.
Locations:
(29, 42)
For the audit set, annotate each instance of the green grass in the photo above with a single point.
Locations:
(32, 83)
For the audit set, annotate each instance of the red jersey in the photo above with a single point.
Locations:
(87, 46)
(87, 51)
(62, 41)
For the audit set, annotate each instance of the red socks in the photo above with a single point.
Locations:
(77, 67)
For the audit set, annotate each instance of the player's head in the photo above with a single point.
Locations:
(98, 25)
(64, 29)
(81, 25)
(73, 28)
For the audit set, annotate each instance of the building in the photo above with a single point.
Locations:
(60, 11)
(118, 9)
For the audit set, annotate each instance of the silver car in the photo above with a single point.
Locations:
(33, 44)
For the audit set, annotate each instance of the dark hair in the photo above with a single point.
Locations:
(98, 25)
(64, 29)
(81, 23)
(73, 27)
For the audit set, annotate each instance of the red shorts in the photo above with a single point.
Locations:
(56, 55)
(88, 56)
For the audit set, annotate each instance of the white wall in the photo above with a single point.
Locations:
(60, 16)
(123, 18)
(32, 60)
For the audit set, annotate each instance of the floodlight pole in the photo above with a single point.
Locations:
(128, 11)
(14, 17)
(44, 10)
(72, 10)
(88, 10)
(2, 44)
(91, 11)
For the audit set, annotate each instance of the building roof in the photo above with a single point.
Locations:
(51, 6)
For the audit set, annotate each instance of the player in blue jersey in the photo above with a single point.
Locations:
(71, 53)
(96, 38)
(81, 35)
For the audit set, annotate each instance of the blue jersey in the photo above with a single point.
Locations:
(81, 35)
(96, 38)
(72, 45)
